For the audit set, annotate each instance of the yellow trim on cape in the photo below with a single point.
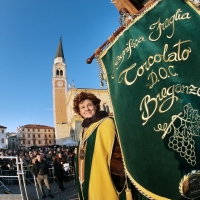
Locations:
(101, 186)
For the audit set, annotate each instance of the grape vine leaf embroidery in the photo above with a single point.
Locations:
(184, 128)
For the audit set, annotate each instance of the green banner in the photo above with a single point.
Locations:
(153, 76)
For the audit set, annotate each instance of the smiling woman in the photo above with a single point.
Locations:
(96, 159)
(100, 169)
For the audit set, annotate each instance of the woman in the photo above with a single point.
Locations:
(58, 170)
(99, 157)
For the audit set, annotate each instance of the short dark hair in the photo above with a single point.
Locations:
(83, 96)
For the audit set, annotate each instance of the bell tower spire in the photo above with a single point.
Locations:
(59, 52)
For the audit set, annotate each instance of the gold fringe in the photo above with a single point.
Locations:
(128, 194)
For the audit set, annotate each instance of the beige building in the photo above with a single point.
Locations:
(35, 135)
(67, 123)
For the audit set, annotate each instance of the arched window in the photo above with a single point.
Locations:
(57, 72)
(61, 72)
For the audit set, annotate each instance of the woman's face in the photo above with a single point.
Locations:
(87, 108)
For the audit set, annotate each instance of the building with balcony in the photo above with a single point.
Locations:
(35, 135)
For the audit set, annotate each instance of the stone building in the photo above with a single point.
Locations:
(11, 141)
(35, 135)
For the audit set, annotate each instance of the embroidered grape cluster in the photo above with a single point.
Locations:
(185, 128)
(184, 147)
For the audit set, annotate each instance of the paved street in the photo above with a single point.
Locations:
(70, 192)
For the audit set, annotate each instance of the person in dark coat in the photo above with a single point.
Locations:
(58, 170)
(40, 170)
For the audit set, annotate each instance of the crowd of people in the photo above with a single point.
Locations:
(29, 156)
(58, 163)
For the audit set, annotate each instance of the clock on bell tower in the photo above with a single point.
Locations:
(59, 95)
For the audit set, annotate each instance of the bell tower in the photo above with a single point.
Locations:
(59, 82)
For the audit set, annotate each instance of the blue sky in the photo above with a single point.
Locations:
(29, 37)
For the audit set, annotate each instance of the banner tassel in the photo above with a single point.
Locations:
(128, 194)
(128, 191)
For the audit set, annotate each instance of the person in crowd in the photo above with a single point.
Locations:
(66, 154)
(21, 154)
(54, 152)
(70, 159)
(40, 170)
(49, 159)
(58, 170)
(35, 158)
(96, 160)
(4, 162)
(13, 169)
(35, 153)
(27, 158)
(31, 159)
(42, 156)
(12, 164)
(74, 154)
(75, 162)
(62, 149)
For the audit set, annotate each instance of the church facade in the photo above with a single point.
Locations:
(68, 124)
